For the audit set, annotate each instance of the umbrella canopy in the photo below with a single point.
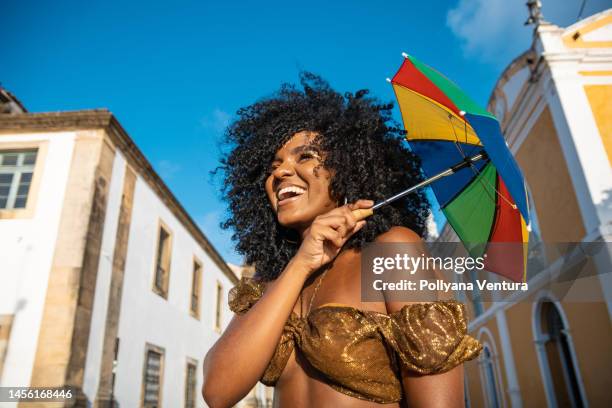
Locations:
(485, 203)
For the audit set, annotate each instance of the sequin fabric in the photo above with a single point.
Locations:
(359, 352)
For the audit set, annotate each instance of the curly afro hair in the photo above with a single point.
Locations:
(364, 146)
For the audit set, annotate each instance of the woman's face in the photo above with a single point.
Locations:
(298, 192)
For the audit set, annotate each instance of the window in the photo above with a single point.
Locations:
(218, 307)
(556, 354)
(490, 382)
(194, 306)
(490, 372)
(16, 170)
(190, 383)
(162, 262)
(152, 376)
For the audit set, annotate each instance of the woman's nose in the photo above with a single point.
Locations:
(284, 169)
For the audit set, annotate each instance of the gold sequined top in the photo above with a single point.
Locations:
(359, 351)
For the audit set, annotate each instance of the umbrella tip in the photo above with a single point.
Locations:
(462, 113)
(404, 55)
(388, 80)
(529, 227)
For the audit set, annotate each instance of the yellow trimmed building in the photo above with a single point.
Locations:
(555, 106)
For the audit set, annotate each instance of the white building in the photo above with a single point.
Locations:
(106, 283)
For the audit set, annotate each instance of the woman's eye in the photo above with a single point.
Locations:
(308, 155)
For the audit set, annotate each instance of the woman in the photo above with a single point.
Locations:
(300, 162)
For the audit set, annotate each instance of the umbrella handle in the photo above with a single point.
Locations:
(362, 213)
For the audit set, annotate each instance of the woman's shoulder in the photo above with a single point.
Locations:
(245, 294)
(398, 233)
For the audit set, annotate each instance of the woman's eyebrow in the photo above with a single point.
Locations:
(301, 148)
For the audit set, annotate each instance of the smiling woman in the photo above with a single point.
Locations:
(300, 163)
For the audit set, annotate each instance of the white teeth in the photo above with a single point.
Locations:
(290, 189)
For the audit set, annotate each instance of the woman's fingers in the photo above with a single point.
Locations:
(361, 209)
(358, 226)
(332, 235)
(360, 204)
(336, 224)
(339, 235)
(343, 222)
(329, 232)
(339, 224)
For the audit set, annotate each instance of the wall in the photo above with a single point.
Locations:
(520, 318)
(148, 318)
(543, 165)
(599, 98)
(27, 247)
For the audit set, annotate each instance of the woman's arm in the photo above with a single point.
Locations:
(239, 358)
(434, 390)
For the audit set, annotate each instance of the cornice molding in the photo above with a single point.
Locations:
(104, 119)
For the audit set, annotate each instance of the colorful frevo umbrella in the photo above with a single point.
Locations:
(473, 175)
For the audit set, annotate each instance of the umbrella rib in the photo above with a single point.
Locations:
(472, 166)
(461, 152)
(458, 193)
(497, 192)
(450, 119)
(487, 186)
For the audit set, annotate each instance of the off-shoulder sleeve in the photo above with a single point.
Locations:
(431, 338)
(245, 294)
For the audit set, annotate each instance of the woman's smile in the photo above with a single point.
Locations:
(285, 191)
(289, 199)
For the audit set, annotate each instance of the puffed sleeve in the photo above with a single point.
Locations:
(245, 294)
(431, 338)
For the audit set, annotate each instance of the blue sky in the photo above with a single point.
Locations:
(175, 73)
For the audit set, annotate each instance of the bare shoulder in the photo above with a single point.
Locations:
(398, 233)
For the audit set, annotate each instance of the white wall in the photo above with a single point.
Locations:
(26, 254)
(148, 318)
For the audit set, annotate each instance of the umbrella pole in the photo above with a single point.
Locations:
(363, 213)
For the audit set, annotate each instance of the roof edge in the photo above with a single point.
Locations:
(585, 21)
(103, 118)
(505, 75)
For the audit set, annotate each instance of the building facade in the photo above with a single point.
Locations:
(107, 285)
(554, 105)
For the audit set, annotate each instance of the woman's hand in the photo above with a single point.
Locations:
(325, 237)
